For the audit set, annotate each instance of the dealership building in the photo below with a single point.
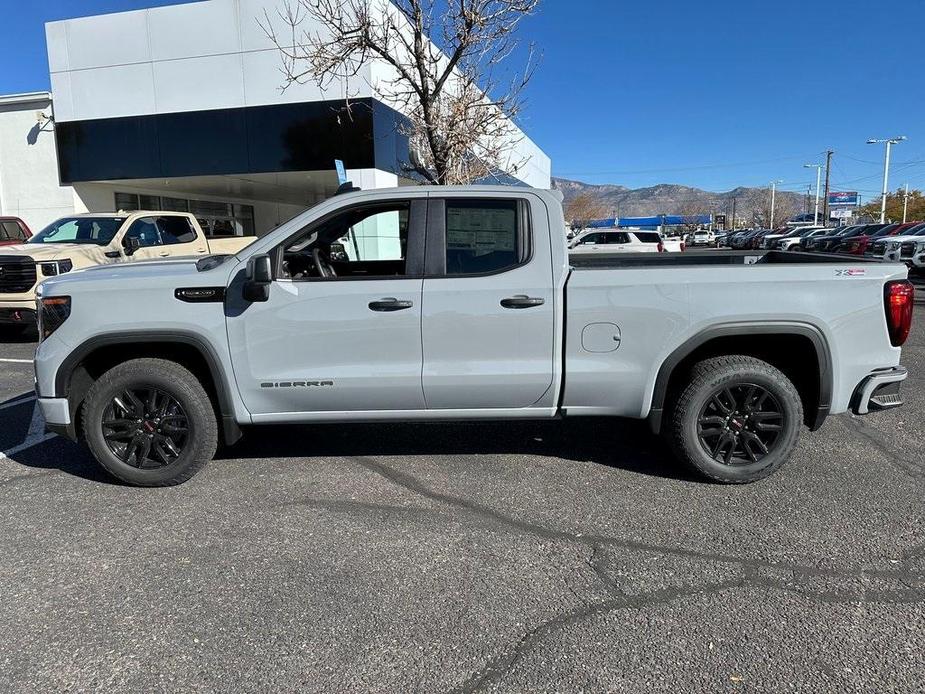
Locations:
(182, 108)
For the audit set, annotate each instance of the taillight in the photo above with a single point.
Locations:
(661, 247)
(683, 246)
(899, 297)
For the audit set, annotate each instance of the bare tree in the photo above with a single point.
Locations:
(584, 208)
(458, 97)
(691, 213)
(785, 207)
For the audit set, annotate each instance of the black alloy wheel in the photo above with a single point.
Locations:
(145, 427)
(740, 424)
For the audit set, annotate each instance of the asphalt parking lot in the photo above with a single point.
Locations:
(423, 558)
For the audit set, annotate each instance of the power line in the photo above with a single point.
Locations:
(679, 168)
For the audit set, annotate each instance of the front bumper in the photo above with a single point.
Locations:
(57, 414)
(879, 391)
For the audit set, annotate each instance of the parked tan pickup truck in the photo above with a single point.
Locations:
(84, 240)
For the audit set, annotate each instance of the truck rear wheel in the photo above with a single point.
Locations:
(737, 420)
(150, 423)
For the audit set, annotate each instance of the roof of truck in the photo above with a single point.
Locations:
(123, 213)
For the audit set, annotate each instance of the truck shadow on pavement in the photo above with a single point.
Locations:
(622, 444)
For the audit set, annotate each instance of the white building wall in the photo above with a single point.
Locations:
(29, 186)
(201, 56)
(189, 57)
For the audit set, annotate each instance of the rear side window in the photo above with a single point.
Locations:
(481, 236)
(10, 231)
(175, 230)
(647, 237)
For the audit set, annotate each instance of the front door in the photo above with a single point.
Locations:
(165, 236)
(489, 304)
(341, 331)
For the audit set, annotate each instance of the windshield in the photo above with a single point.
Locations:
(98, 231)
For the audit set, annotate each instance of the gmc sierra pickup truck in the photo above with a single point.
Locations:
(85, 240)
(459, 303)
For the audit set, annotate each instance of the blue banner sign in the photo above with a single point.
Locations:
(843, 199)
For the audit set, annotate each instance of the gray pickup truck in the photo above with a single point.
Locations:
(446, 303)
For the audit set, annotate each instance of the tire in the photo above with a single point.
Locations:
(721, 400)
(175, 456)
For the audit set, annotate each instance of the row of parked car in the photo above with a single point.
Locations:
(898, 241)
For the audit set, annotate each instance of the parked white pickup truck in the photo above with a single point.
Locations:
(85, 240)
(463, 303)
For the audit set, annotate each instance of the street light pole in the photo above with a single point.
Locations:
(889, 142)
(773, 192)
(818, 168)
(905, 203)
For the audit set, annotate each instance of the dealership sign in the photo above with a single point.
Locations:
(843, 199)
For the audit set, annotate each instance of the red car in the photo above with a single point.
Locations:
(13, 230)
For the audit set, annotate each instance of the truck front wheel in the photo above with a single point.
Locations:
(737, 420)
(150, 423)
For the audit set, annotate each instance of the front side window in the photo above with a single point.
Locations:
(366, 241)
(90, 230)
(145, 230)
(590, 239)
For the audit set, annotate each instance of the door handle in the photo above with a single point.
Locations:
(522, 301)
(164, 254)
(390, 304)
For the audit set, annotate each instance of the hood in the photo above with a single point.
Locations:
(140, 273)
(39, 251)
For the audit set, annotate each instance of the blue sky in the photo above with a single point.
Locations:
(712, 94)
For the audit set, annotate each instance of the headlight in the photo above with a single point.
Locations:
(53, 311)
(56, 267)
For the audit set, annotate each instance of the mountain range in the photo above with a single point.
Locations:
(665, 198)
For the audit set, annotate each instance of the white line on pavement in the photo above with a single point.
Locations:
(34, 436)
(16, 361)
(15, 403)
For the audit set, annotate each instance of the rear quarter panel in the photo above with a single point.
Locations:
(657, 310)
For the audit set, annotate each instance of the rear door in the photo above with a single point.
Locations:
(488, 317)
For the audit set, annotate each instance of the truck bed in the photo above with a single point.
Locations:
(660, 260)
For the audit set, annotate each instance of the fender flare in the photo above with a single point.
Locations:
(231, 432)
(807, 330)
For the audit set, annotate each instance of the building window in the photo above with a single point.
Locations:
(217, 219)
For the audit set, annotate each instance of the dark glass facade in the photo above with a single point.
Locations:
(257, 139)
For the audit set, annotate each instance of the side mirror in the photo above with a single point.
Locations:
(131, 244)
(259, 274)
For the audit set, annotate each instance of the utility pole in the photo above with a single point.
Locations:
(825, 203)
(905, 203)
(734, 212)
(889, 142)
